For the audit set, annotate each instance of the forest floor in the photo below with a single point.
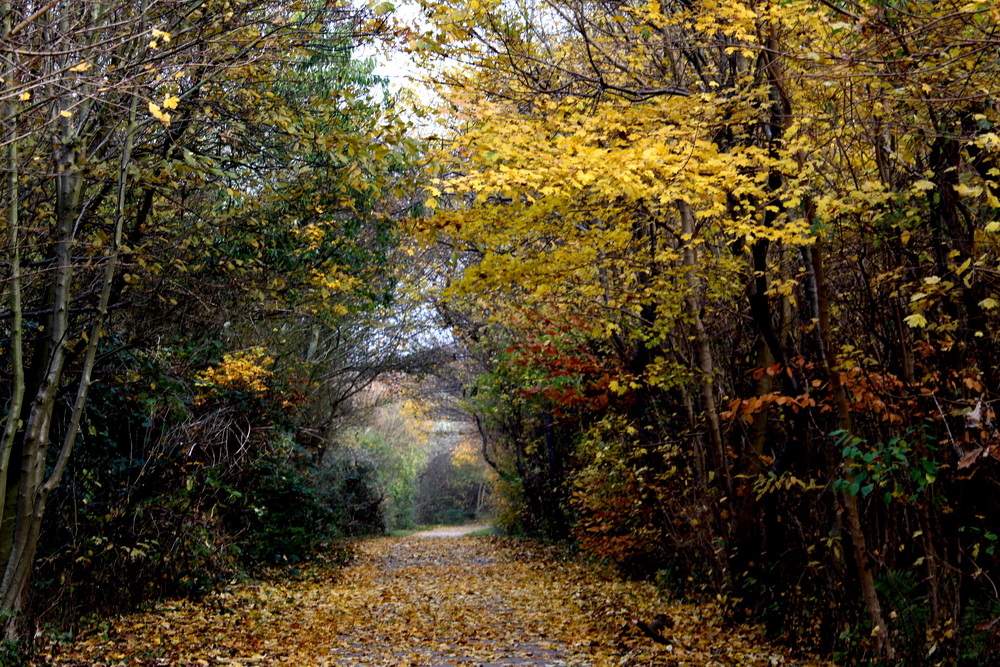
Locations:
(427, 600)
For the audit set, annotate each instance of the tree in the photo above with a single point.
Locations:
(126, 128)
(784, 208)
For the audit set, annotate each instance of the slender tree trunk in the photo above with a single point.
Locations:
(697, 442)
(706, 383)
(758, 422)
(852, 511)
(703, 348)
(12, 196)
(39, 422)
(905, 345)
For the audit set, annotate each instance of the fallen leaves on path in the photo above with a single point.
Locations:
(426, 602)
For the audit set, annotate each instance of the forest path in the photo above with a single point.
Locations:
(452, 531)
(417, 601)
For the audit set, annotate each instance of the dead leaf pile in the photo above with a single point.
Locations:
(426, 602)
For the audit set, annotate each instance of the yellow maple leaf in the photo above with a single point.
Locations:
(158, 114)
(82, 67)
(170, 102)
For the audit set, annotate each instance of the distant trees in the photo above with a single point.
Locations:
(390, 439)
(453, 487)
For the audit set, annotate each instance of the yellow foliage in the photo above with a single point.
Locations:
(466, 453)
(244, 371)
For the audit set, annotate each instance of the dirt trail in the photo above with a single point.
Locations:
(417, 601)
(452, 531)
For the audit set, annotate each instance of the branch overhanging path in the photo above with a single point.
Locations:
(431, 599)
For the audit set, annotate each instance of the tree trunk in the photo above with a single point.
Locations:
(13, 251)
(852, 511)
(34, 443)
(36, 432)
(759, 419)
(703, 348)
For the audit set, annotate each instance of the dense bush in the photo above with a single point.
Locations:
(179, 486)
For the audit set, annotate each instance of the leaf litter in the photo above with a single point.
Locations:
(475, 601)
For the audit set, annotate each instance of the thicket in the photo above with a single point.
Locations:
(201, 260)
(729, 271)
